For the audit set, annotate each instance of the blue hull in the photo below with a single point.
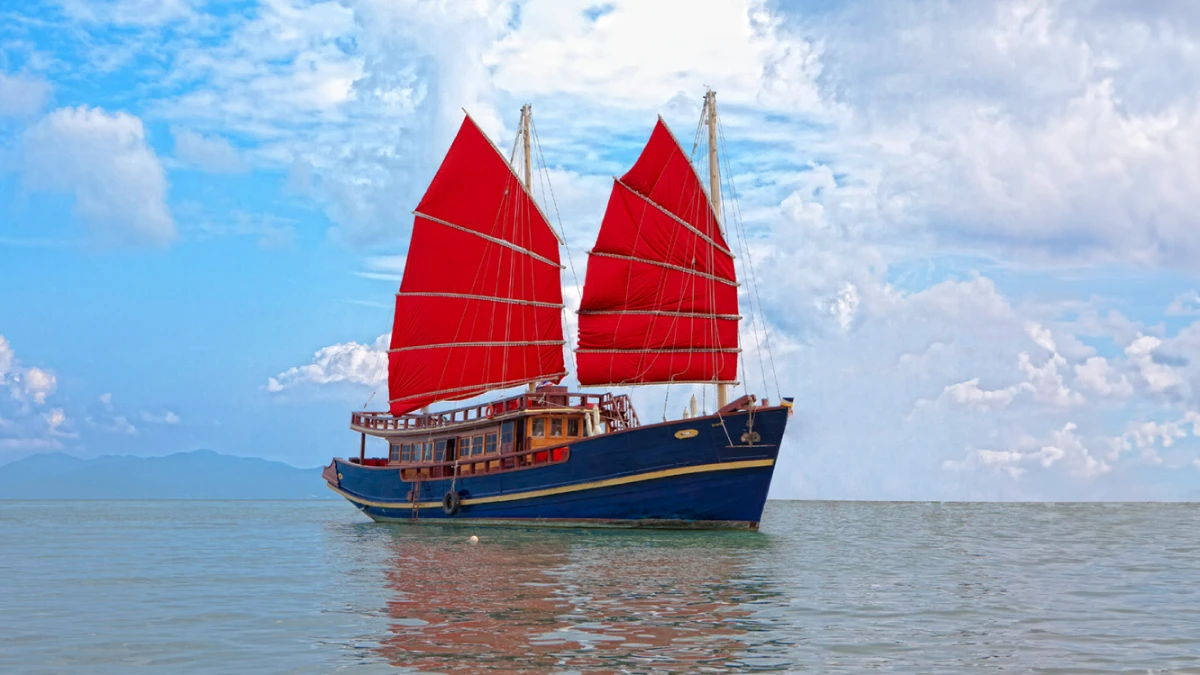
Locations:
(642, 477)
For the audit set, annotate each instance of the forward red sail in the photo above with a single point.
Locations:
(660, 297)
(480, 304)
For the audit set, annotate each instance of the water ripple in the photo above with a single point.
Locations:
(836, 587)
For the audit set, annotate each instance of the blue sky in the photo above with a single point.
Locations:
(973, 225)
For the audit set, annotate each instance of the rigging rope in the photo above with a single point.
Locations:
(743, 237)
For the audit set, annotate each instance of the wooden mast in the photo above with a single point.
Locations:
(714, 195)
(526, 110)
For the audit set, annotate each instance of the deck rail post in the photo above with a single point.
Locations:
(362, 450)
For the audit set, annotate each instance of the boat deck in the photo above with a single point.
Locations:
(614, 410)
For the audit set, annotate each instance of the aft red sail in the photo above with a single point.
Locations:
(480, 304)
(660, 297)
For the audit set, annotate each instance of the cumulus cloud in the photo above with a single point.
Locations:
(1152, 437)
(37, 384)
(24, 424)
(1061, 445)
(346, 362)
(562, 48)
(1098, 376)
(22, 95)
(1065, 144)
(118, 183)
(1157, 376)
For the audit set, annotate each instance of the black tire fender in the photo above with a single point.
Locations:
(450, 503)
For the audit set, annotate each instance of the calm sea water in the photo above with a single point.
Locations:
(310, 587)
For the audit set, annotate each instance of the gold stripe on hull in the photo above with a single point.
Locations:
(565, 489)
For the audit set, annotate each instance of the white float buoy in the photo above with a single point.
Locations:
(474, 539)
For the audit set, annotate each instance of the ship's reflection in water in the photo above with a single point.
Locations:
(562, 601)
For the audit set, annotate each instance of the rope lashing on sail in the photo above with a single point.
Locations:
(659, 312)
(513, 343)
(677, 268)
(708, 240)
(485, 386)
(486, 298)
(677, 350)
(494, 240)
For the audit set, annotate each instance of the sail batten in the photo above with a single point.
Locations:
(677, 219)
(494, 240)
(660, 296)
(527, 343)
(677, 268)
(487, 298)
(480, 302)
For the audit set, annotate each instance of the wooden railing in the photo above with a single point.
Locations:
(483, 464)
(616, 410)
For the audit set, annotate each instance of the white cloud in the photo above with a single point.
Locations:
(208, 152)
(22, 95)
(1096, 375)
(1046, 382)
(347, 362)
(166, 417)
(1061, 445)
(118, 425)
(129, 12)
(1151, 438)
(1066, 143)
(6, 359)
(383, 267)
(119, 185)
(1184, 304)
(23, 424)
(37, 384)
(970, 394)
(1158, 377)
(738, 48)
(1041, 336)
(58, 424)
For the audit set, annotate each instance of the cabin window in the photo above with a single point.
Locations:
(464, 446)
(405, 452)
(573, 427)
(556, 427)
(506, 433)
(428, 451)
(439, 454)
(490, 447)
(539, 428)
(477, 445)
(394, 452)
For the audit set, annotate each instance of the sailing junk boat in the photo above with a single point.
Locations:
(659, 306)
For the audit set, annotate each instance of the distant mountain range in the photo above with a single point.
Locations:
(201, 474)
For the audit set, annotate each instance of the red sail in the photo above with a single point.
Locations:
(660, 298)
(480, 304)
